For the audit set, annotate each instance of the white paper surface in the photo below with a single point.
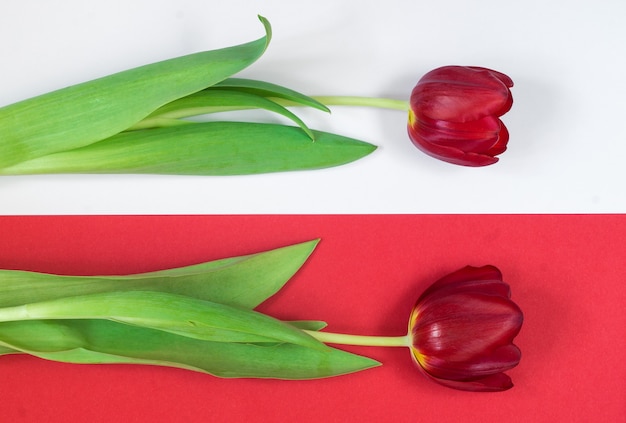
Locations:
(568, 138)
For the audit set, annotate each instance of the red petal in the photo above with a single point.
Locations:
(468, 274)
(492, 383)
(493, 288)
(500, 146)
(450, 154)
(502, 77)
(505, 107)
(460, 94)
(472, 137)
(500, 360)
(471, 273)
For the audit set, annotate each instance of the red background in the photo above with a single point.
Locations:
(566, 272)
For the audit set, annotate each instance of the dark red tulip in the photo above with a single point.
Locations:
(454, 114)
(462, 330)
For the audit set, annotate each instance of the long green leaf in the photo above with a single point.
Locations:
(85, 113)
(244, 281)
(176, 314)
(267, 89)
(38, 333)
(214, 101)
(101, 341)
(210, 148)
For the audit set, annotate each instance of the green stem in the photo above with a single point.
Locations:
(369, 341)
(381, 103)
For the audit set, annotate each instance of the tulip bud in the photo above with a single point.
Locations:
(462, 328)
(454, 114)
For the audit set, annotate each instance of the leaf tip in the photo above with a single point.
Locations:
(312, 244)
(268, 29)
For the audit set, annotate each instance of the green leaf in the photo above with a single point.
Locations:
(210, 148)
(49, 335)
(213, 101)
(267, 89)
(176, 314)
(101, 341)
(85, 113)
(244, 281)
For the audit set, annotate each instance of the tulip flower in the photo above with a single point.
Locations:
(461, 331)
(455, 112)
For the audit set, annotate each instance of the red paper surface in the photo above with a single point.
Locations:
(566, 272)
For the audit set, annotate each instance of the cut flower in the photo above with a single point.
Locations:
(201, 317)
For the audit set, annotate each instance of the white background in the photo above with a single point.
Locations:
(567, 58)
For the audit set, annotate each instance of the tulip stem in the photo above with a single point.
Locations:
(381, 103)
(368, 341)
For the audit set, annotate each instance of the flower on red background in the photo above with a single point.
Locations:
(454, 114)
(462, 329)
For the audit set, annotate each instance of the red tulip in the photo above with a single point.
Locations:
(462, 328)
(454, 114)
